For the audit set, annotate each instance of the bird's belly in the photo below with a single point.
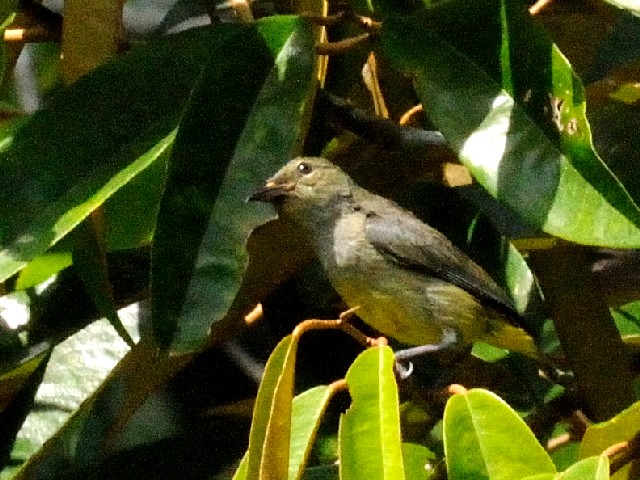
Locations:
(397, 303)
(408, 306)
(404, 314)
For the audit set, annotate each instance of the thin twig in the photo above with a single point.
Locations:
(35, 34)
(341, 46)
(324, 21)
(623, 453)
(341, 323)
(408, 115)
(366, 23)
(556, 442)
(538, 6)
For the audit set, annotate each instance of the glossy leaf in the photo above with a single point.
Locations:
(244, 120)
(592, 468)
(485, 438)
(129, 217)
(91, 264)
(269, 440)
(130, 214)
(369, 433)
(308, 411)
(62, 163)
(71, 379)
(508, 102)
(622, 428)
(631, 5)
(417, 460)
(41, 268)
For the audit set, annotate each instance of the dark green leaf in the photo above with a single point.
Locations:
(245, 119)
(92, 139)
(91, 264)
(508, 102)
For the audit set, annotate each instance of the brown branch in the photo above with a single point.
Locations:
(406, 116)
(341, 323)
(623, 453)
(324, 21)
(366, 23)
(35, 34)
(341, 46)
(539, 6)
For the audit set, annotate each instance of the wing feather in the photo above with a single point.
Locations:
(412, 244)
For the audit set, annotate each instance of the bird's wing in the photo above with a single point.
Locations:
(412, 244)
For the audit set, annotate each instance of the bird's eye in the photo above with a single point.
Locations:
(304, 168)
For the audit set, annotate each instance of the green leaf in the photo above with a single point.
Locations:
(417, 461)
(621, 428)
(369, 432)
(71, 382)
(269, 440)
(130, 214)
(308, 411)
(509, 103)
(91, 264)
(129, 217)
(7, 7)
(485, 438)
(92, 139)
(245, 119)
(41, 268)
(632, 5)
(596, 468)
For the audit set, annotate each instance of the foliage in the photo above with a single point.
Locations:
(128, 187)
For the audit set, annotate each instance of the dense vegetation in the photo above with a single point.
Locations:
(126, 187)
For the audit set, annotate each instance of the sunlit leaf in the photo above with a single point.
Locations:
(243, 122)
(508, 102)
(370, 442)
(92, 139)
(485, 438)
(592, 468)
(621, 428)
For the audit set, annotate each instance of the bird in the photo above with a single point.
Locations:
(403, 277)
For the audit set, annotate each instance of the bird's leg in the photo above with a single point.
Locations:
(449, 339)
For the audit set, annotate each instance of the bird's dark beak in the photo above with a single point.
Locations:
(271, 192)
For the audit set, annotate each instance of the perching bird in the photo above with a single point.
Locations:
(406, 279)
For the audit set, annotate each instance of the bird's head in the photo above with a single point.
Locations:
(306, 186)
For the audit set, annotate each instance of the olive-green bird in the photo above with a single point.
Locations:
(406, 279)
